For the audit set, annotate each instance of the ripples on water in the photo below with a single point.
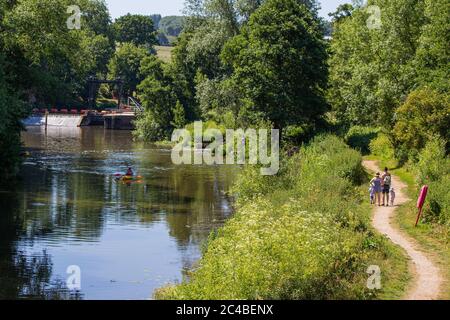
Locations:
(67, 209)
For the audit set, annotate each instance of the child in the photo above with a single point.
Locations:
(392, 192)
(372, 194)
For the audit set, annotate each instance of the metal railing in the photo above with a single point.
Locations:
(136, 106)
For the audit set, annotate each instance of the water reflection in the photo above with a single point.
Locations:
(127, 239)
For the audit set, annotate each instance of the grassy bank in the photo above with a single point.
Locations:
(304, 234)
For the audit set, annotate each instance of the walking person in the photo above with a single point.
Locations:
(376, 183)
(392, 197)
(372, 194)
(386, 181)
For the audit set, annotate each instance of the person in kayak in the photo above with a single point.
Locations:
(129, 172)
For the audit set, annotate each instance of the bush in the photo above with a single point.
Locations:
(382, 147)
(432, 164)
(438, 206)
(148, 129)
(425, 114)
(433, 168)
(296, 135)
(359, 137)
(299, 235)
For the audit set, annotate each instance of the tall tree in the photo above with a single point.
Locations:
(137, 29)
(126, 64)
(433, 54)
(279, 62)
(158, 97)
(12, 110)
(371, 67)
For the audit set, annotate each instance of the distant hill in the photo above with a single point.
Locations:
(169, 28)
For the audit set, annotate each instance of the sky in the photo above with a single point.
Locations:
(119, 8)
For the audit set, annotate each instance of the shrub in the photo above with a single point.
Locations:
(296, 135)
(433, 168)
(382, 147)
(210, 124)
(425, 114)
(299, 235)
(438, 204)
(432, 162)
(359, 137)
(148, 129)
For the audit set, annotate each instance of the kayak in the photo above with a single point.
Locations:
(129, 178)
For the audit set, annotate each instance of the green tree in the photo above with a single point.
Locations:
(179, 117)
(433, 54)
(126, 64)
(171, 25)
(424, 115)
(12, 110)
(279, 62)
(44, 63)
(371, 69)
(55, 59)
(137, 29)
(343, 11)
(158, 98)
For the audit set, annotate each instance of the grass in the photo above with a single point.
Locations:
(164, 53)
(304, 234)
(164, 144)
(395, 273)
(432, 237)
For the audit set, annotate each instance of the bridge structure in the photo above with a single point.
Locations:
(94, 82)
(121, 118)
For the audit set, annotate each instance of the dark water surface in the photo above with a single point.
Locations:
(67, 209)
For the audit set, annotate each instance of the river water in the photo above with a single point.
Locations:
(66, 209)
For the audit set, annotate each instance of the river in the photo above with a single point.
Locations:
(67, 209)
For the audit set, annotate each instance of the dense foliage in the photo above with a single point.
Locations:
(126, 64)
(424, 115)
(136, 29)
(279, 64)
(45, 63)
(301, 235)
(249, 61)
(395, 78)
(433, 168)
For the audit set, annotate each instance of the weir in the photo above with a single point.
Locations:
(54, 120)
(117, 120)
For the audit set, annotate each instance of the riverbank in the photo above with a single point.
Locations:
(304, 234)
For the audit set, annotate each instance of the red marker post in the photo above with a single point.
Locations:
(421, 202)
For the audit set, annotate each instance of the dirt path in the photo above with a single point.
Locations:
(427, 278)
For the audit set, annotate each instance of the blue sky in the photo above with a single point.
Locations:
(118, 8)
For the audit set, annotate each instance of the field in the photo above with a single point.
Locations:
(164, 53)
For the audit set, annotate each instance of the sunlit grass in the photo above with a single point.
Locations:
(304, 234)
(164, 53)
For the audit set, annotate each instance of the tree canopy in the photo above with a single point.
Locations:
(136, 29)
(279, 62)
